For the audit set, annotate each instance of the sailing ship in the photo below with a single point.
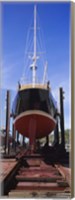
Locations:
(34, 107)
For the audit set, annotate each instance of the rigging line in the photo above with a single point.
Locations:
(25, 68)
(34, 40)
(30, 39)
(28, 34)
(27, 39)
(31, 44)
(26, 60)
(42, 59)
(28, 64)
(28, 75)
(42, 34)
(41, 44)
(39, 41)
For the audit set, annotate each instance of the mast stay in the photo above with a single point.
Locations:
(34, 58)
(34, 55)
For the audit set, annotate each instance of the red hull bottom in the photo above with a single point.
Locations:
(35, 122)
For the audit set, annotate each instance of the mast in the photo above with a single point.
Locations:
(34, 56)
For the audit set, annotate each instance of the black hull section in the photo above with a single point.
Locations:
(34, 99)
(34, 113)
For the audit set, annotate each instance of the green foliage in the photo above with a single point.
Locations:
(67, 136)
(51, 137)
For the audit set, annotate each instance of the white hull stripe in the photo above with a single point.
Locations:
(32, 112)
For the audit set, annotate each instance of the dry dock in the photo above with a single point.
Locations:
(35, 174)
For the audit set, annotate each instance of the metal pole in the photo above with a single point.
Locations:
(47, 140)
(23, 140)
(56, 135)
(17, 136)
(62, 118)
(7, 120)
(14, 136)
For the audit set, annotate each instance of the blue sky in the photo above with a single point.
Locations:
(54, 22)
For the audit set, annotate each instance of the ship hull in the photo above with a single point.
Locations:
(34, 112)
(36, 123)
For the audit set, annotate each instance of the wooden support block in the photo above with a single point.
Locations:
(38, 186)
